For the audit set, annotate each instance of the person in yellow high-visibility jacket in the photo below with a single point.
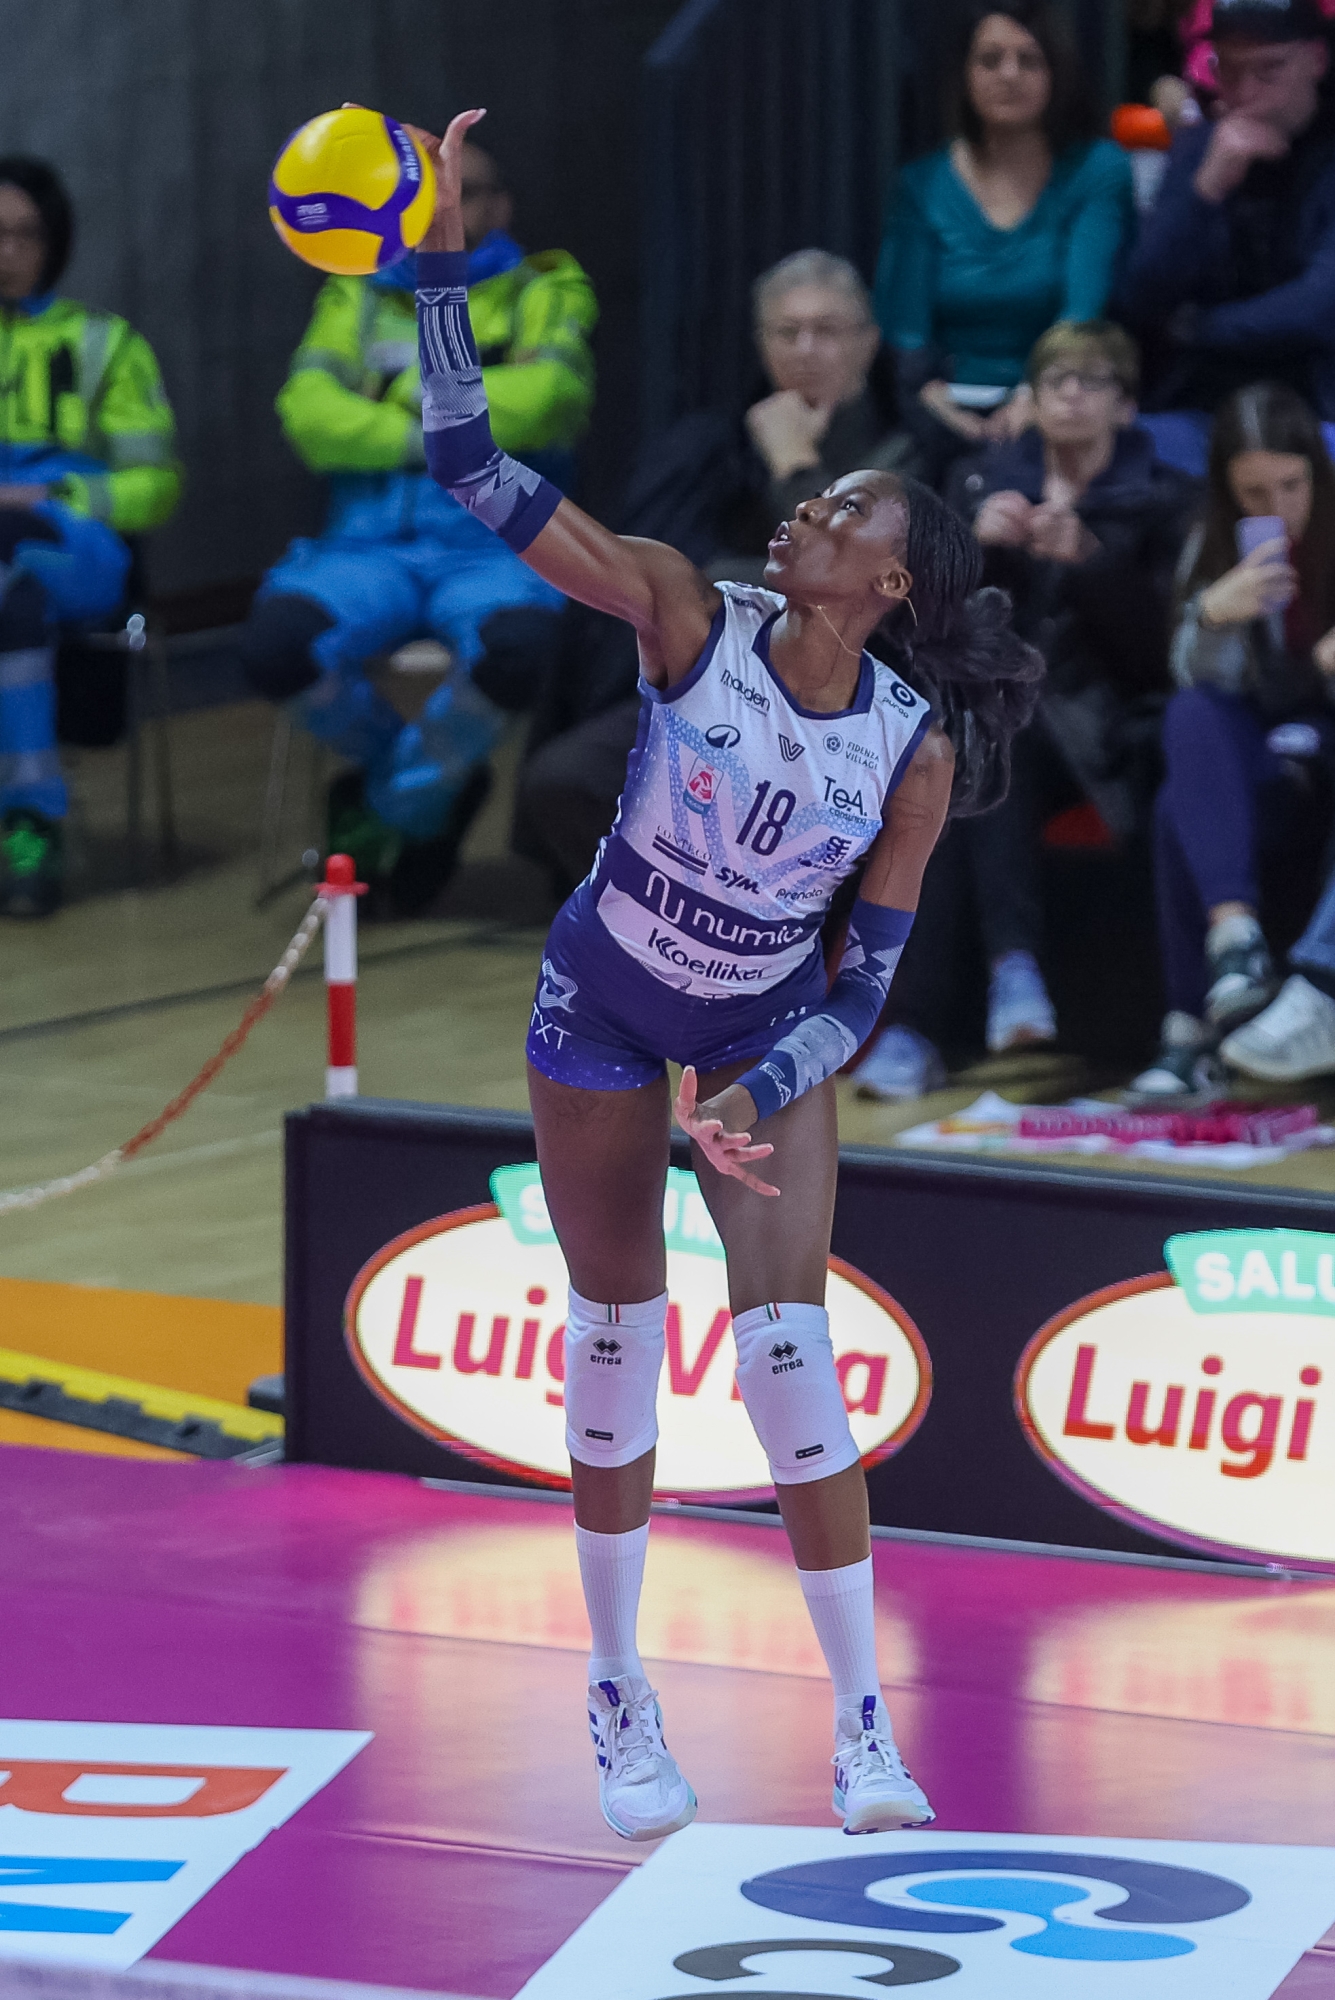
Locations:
(399, 559)
(87, 456)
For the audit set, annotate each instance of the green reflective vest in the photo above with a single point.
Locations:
(84, 388)
(353, 398)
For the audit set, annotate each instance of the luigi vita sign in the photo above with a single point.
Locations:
(458, 1326)
(1190, 1403)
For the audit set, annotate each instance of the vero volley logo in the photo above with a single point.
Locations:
(970, 1884)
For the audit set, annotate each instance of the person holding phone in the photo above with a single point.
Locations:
(1254, 659)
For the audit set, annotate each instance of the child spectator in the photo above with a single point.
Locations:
(1018, 222)
(1084, 528)
(1254, 657)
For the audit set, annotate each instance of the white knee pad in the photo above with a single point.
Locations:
(785, 1372)
(614, 1355)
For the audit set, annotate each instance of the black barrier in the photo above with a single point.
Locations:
(980, 1255)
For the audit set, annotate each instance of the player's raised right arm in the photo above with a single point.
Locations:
(653, 587)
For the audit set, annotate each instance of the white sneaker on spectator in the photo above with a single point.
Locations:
(1242, 974)
(1184, 1074)
(1292, 1040)
(900, 1064)
(1020, 1013)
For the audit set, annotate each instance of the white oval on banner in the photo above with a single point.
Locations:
(1206, 1430)
(458, 1325)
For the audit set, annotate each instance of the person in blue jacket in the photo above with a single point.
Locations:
(1019, 222)
(1233, 277)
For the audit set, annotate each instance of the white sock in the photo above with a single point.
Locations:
(843, 1612)
(612, 1570)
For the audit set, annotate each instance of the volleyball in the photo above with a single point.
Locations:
(351, 191)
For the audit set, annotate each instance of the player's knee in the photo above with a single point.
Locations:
(613, 1356)
(276, 641)
(787, 1379)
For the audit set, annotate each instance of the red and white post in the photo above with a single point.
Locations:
(340, 890)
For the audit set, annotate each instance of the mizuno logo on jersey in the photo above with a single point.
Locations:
(791, 751)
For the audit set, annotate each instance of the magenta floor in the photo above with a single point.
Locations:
(1032, 1694)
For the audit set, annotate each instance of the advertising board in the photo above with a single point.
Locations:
(1072, 1357)
(457, 1325)
(1187, 1400)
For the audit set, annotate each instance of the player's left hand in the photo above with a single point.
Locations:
(727, 1152)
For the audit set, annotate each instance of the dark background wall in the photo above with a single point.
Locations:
(165, 116)
(760, 125)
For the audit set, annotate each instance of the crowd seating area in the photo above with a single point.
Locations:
(1109, 345)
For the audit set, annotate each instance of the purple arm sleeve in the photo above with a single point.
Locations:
(823, 1043)
(461, 455)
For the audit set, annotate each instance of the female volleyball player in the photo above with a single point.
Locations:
(774, 755)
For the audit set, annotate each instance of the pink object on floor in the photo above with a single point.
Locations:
(463, 1845)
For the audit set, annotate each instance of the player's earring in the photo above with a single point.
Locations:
(912, 613)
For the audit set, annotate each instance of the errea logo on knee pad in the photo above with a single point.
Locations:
(458, 1327)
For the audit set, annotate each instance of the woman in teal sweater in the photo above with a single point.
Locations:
(1019, 222)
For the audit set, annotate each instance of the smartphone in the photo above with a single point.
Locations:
(1252, 531)
(1255, 529)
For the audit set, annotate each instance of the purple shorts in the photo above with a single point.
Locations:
(601, 1022)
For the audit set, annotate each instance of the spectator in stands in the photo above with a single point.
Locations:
(87, 456)
(399, 559)
(1254, 656)
(1084, 528)
(1233, 275)
(716, 488)
(1019, 222)
(817, 340)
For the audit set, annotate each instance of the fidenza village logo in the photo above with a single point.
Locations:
(1190, 1402)
(458, 1326)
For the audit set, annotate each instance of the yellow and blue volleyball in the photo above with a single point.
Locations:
(351, 191)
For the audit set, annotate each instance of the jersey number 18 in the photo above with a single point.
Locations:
(770, 830)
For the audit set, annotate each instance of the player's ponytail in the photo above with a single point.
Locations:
(981, 678)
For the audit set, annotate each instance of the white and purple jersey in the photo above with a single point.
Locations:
(742, 811)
